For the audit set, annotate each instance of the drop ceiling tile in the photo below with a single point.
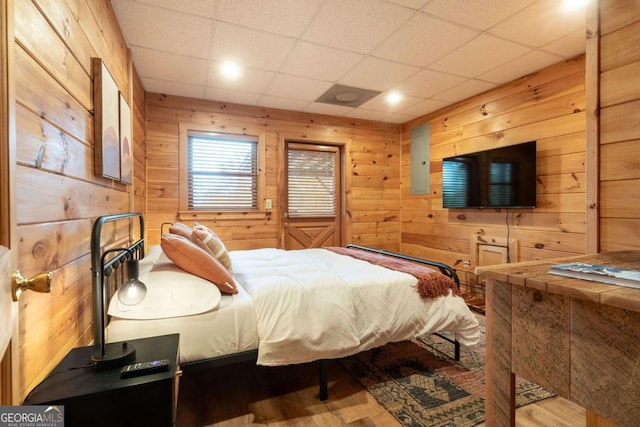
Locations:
(234, 96)
(541, 23)
(426, 83)
(521, 66)
(164, 29)
(205, 8)
(319, 62)
(282, 103)
(479, 56)
(287, 86)
(424, 107)
(169, 66)
(569, 46)
(356, 25)
(360, 113)
(377, 74)
(380, 103)
(250, 48)
(479, 14)
(172, 88)
(423, 40)
(328, 109)
(465, 90)
(251, 80)
(397, 118)
(285, 17)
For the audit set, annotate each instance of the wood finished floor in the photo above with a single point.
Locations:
(245, 394)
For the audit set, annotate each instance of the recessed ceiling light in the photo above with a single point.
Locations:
(394, 97)
(230, 70)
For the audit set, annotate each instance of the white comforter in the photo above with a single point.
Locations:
(315, 304)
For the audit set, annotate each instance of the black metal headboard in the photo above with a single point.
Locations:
(106, 274)
(444, 268)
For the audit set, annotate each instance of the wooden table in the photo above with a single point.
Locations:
(577, 338)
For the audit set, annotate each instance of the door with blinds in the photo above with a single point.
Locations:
(312, 212)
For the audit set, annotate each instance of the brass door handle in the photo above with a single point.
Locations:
(39, 283)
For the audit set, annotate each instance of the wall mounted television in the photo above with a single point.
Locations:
(502, 177)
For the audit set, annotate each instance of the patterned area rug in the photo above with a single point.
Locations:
(421, 384)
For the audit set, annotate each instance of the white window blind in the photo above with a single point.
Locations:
(223, 171)
(311, 182)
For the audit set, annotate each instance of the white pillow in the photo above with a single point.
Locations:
(171, 292)
(154, 255)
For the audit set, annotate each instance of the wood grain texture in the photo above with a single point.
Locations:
(547, 106)
(606, 342)
(619, 125)
(371, 151)
(540, 324)
(57, 195)
(564, 338)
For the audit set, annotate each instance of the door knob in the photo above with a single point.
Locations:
(39, 283)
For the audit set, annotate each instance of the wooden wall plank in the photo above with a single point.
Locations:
(57, 195)
(36, 36)
(373, 171)
(547, 106)
(619, 122)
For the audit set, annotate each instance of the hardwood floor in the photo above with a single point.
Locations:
(245, 394)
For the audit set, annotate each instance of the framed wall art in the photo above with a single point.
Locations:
(106, 99)
(126, 149)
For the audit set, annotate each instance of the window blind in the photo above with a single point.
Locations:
(223, 171)
(311, 183)
(501, 190)
(455, 187)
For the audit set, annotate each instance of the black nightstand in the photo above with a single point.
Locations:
(101, 398)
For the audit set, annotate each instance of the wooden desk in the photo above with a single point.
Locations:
(577, 338)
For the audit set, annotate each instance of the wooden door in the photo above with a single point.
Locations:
(312, 211)
(8, 309)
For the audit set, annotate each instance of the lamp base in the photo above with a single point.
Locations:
(115, 355)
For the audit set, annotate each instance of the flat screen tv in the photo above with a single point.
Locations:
(503, 177)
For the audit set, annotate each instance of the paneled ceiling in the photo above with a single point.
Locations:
(290, 52)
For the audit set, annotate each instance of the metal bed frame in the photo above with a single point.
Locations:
(111, 276)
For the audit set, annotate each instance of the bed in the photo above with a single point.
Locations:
(289, 307)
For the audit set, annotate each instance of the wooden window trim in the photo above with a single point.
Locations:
(183, 205)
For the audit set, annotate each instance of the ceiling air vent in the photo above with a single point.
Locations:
(347, 96)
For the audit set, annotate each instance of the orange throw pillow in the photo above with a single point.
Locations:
(210, 242)
(189, 257)
(181, 230)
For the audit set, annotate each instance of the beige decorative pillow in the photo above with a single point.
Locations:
(181, 230)
(189, 257)
(210, 242)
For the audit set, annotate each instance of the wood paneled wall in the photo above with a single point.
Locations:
(57, 194)
(619, 125)
(372, 151)
(547, 106)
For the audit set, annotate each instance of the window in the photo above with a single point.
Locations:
(501, 189)
(219, 171)
(311, 181)
(455, 183)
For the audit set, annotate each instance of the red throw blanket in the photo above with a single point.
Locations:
(431, 283)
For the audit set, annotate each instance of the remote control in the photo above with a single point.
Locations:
(144, 368)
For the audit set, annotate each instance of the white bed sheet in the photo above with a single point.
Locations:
(352, 308)
(315, 304)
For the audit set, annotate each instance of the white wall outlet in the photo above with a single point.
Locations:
(267, 204)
